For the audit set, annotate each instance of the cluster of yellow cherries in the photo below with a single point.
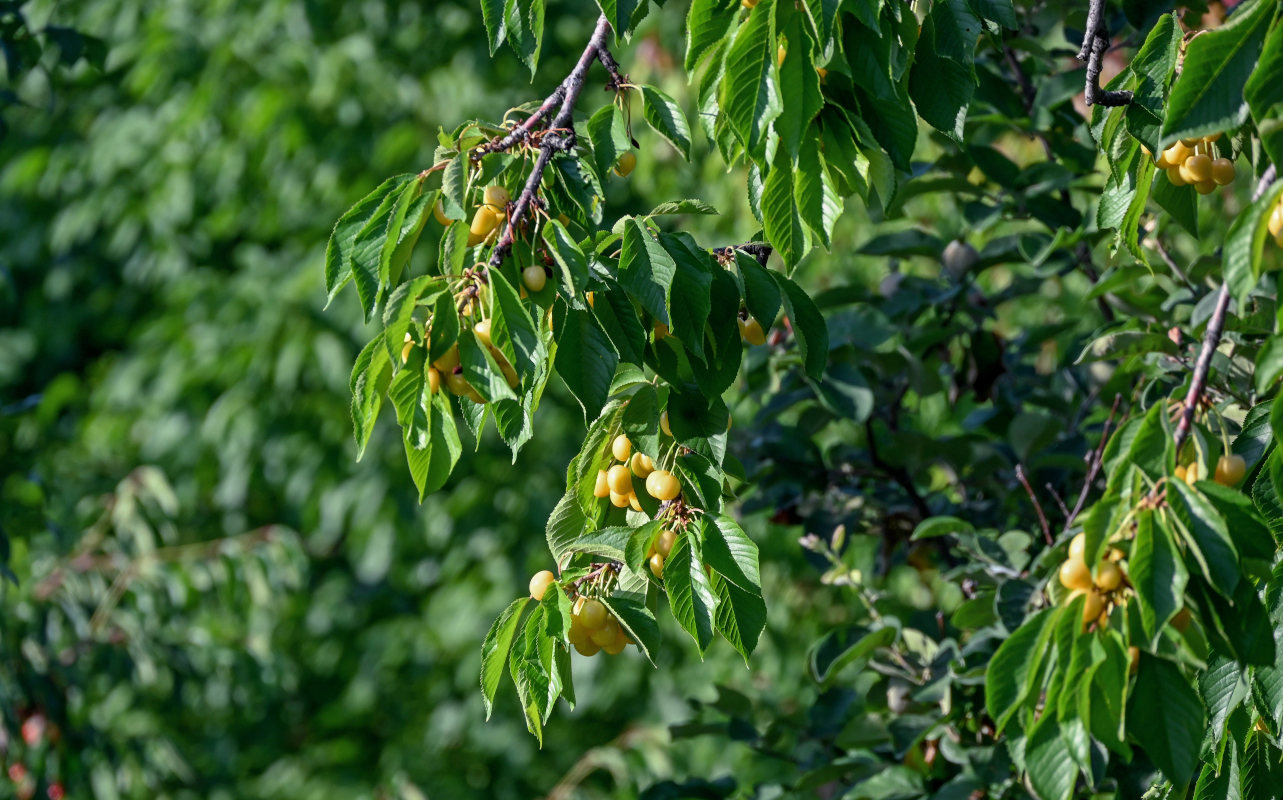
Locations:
(1230, 469)
(1103, 592)
(1276, 222)
(1189, 162)
(592, 627)
(617, 482)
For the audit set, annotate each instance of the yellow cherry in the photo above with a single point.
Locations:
(496, 196)
(1223, 171)
(1174, 175)
(626, 164)
(539, 583)
(663, 424)
(593, 615)
(1198, 168)
(664, 544)
(633, 502)
(1093, 607)
(484, 222)
(621, 447)
(620, 500)
(1205, 187)
(1230, 470)
(1276, 220)
(657, 566)
(1074, 574)
(438, 213)
(1078, 547)
(641, 465)
(482, 330)
(434, 380)
(407, 348)
(620, 479)
(602, 487)
(663, 485)
(1108, 576)
(534, 278)
(751, 331)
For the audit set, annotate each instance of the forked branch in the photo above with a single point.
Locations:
(557, 137)
(1095, 44)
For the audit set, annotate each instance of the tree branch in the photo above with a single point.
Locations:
(1211, 340)
(1095, 43)
(1093, 467)
(559, 136)
(1042, 518)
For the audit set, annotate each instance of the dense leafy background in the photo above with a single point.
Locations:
(293, 623)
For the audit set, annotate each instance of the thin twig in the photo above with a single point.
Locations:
(1095, 43)
(1042, 518)
(561, 133)
(1093, 466)
(1211, 340)
(1060, 503)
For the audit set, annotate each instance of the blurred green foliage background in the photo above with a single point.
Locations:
(168, 378)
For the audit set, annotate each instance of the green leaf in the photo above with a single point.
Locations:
(646, 270)
(799, 92)
(689, 206)
(1264, 93)
(371, 375)
(1011, 672)
(492, 17)
(639, 545)
(637, 621)
(1209, 540)
(431, 464)
(1224, 784)
(570, 259)
(689, 593)
(586, 361)
(495, 648)
(1223, 688)
(533, 670)
(761, 294)
(664, 115)
(1121, 344)
(691, 290)
(566, 523)
(1208, 96)
(1241, 262)
(749, 95)
(843, 646)
(1178, 201)
(934, 527)
(609, 543)
(512, 330)
(741, 616)
(620, 13)
(1157, 574)
(809, 328)
(1051, 768)
(781, 217)
(608, 136)
(371, 211)
(482, 371)
(1166, 718)
(1153, 67)
(942, 80)
(707, 23)
(730, 552)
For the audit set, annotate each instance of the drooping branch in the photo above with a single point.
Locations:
(1095, 44)
(1211, 340)
(559, 136)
